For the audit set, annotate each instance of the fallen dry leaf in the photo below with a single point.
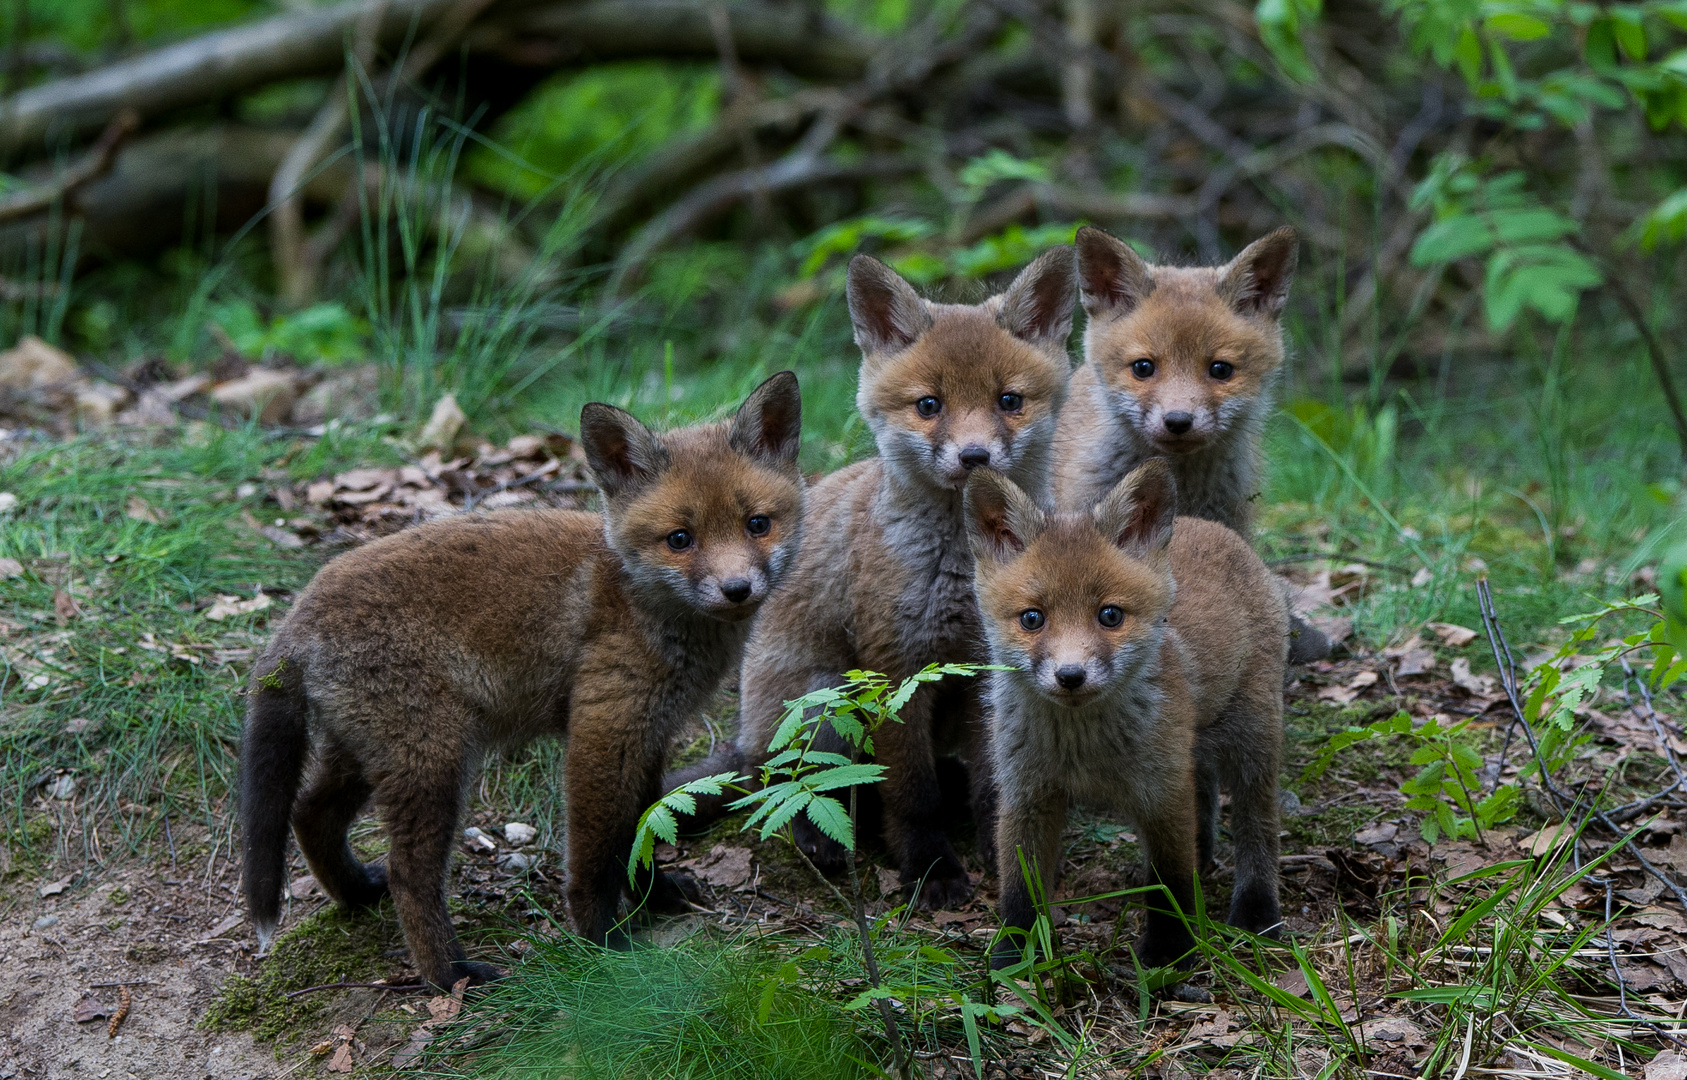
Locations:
(54, 888)
(1547, 840)
(65, 606)
(223, 927)
(141, 510)
(1377, 834)
(722, 866)
(1475, 685)
(1341, 695)
(409, 1055)
(1668, 1065)
(10, 568)
(1292, 982)
(443, 424)
(342, 1060)
(1452, 635)
(88, 1009)
(1394, 1029)
(227, 606)
(1411, 658)
(301, 888)
(1337, 628)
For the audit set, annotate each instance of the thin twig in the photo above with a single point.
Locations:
(397, 988)
(96, 163)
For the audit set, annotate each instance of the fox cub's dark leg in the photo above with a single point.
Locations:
(1206, 810)
(1252, 780)
(421, 810)
(1030, 832)
(912, 809)
(827, 854)
(1168, 840)
(614, 772)
(324, 812)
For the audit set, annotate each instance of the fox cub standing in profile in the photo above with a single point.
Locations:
(884, 581)
(1179, 363)
(1148, 671)
(406, 659)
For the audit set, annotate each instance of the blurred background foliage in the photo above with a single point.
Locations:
(652, 202)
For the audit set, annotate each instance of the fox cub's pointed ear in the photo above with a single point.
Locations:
(1001, 519)
(769, 423)
(1257, 281)
(623, 453)
(1112, 278)
(887, 313)
(1037, 307)
(1137, 514)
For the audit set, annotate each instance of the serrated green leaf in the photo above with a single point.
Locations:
(830, 817)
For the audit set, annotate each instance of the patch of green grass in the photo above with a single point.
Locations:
(334, 945)
(704, 1007)
(135, 693)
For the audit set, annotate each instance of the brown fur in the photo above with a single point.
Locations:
(884, 582)
(1182, 320)
(1148, 715)
(405, 660)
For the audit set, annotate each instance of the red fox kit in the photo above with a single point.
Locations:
(1179, 363)
(1148, 673)
(884, 580)
(405, 660)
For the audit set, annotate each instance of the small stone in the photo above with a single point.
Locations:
(515, 862)
(443, 424)
(478, 840)
(62, 787)
(44, 922)
(97, 403)
(518, 834)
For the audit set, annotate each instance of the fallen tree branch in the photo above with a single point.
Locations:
(201, 69)
(94, 164)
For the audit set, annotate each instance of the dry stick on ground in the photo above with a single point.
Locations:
(94, 164)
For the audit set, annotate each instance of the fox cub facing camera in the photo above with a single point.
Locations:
(884, 581)
(1148, 666)
(405, 660)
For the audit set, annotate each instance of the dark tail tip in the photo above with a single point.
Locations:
(1306, 642)
(272, 757)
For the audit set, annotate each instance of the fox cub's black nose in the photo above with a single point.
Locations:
(1179, 422)
(974, 456)
(735, 589)
(1070, 677)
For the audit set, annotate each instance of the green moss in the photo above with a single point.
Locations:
(334, 945)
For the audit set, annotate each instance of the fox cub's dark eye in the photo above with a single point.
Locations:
(758, 525)
(1143, 369)
(1032, 619)
(928, 406)
(1221, 370)
(680, 539)
(1111, 616)
(1011, 402)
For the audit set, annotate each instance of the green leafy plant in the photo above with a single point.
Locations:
(1446, 789)
(798, 779)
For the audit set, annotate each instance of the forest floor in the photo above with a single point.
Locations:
(124, 951)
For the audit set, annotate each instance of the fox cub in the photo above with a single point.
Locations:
(404, 660)
(1179, 363)
(884, 580)
(1148, 671)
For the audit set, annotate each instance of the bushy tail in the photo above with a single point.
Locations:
(726, 758)
(272, 757)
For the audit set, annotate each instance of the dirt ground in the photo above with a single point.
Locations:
(162, 941)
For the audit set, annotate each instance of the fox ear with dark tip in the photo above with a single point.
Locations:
(768, 425)
(1037, 307)
(624, 455)
(1112, 278)
(887, 313)
(1001, 519)
(1137, 514)
(1257, 281)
